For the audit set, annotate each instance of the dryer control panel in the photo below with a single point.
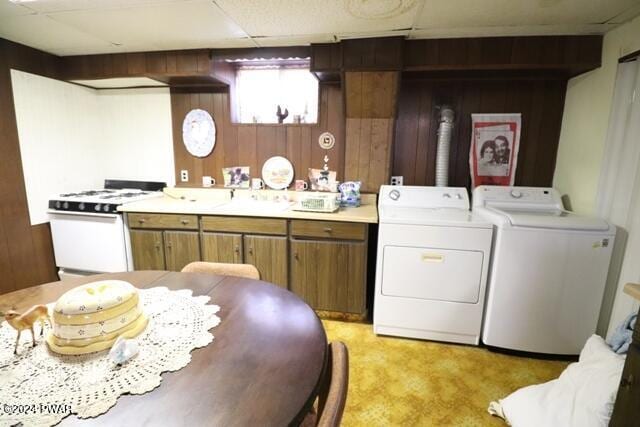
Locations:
(423, 197)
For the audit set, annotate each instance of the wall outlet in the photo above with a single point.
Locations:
(396, 180)
(184, 175)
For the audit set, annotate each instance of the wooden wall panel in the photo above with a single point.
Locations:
(566, 55)
(540, 101)
(251, 145)
(371, 94)
(26, 255)
(370, 99)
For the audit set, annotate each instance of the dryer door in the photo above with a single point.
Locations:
(432, 273)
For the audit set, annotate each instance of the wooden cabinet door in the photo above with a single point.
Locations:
(330, 275)
(269, 255)
(147, 249)
(181, 248)
(222, 247)
(626, 411)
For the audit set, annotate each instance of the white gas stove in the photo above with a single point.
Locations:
(99, 201)
(89, 234)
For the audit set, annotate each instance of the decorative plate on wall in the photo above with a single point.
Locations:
(277, 173)
(199, 133)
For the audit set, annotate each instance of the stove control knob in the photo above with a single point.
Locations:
(65, 205)
(81, 206)
(58, 204)
(516, 194)
(105, 207)
(97, 207)
(394, 194)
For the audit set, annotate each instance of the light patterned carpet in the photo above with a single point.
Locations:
(403, 382)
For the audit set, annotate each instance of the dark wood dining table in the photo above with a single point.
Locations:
(263, 368)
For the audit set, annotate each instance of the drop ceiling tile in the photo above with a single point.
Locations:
(8, 9)
(397, 33)
(627, 15)
(41, 32)
(277, 18)
(294, 40)
(472, 13)
(504, 31)
(49, 6)
(203, 44)
(120, 82)
(181, 24)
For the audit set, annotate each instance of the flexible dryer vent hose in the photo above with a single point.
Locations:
(444, 143)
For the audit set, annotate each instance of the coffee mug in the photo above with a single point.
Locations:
(301, 185)
(208, 181)
(257, 184)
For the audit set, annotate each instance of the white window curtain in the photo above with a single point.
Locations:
(261, 89)
(619, 195)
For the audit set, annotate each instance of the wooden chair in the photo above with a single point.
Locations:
(333, 392)
(238, 270)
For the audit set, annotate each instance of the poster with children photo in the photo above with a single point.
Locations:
(495, 141)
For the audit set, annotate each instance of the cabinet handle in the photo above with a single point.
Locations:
(157, 246)
(168, 245)
(295, 256)
(327, 229)
(142, 221)
(237, 249)
(184, 221)
(250, 251)
(627, 382)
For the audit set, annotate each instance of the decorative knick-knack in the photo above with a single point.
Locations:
(26, 320)
(281, 115)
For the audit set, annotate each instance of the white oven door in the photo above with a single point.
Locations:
(89, 242)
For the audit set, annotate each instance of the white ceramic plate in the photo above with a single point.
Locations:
(277, 173)
(199, 133)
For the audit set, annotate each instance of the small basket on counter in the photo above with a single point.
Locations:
(317, 202)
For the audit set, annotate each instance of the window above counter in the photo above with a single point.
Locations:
(276, 93)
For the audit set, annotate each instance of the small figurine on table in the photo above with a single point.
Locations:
(26, 320)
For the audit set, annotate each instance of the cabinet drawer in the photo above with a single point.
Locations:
(245, 225)
(181, 222)
(329, 229)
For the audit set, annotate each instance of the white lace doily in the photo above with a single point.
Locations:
(40, 388)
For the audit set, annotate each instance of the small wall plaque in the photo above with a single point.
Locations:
(327, 140)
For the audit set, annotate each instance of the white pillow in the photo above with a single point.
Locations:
(582, 396)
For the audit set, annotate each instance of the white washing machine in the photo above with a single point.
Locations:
(548, 270)
(432, 265)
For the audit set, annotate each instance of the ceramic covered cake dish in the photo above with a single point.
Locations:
(91, 317)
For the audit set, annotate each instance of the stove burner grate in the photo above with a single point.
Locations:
(87, 193)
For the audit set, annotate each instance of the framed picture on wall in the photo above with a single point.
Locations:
(236, 177)
(493, 156)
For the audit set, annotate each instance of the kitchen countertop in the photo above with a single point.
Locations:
(217, 201)
(632, 289)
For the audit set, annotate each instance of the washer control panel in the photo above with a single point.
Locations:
(541, 196)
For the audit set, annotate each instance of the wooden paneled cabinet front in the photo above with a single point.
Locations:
(330, 275)
(163, 249)
(267, 253)
(323, 262)
(261, 242)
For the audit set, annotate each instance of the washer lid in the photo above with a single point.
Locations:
(552, 218)
(447, 217)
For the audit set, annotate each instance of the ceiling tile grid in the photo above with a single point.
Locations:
(72, 27)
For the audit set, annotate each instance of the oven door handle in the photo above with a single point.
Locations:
(76, 213)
